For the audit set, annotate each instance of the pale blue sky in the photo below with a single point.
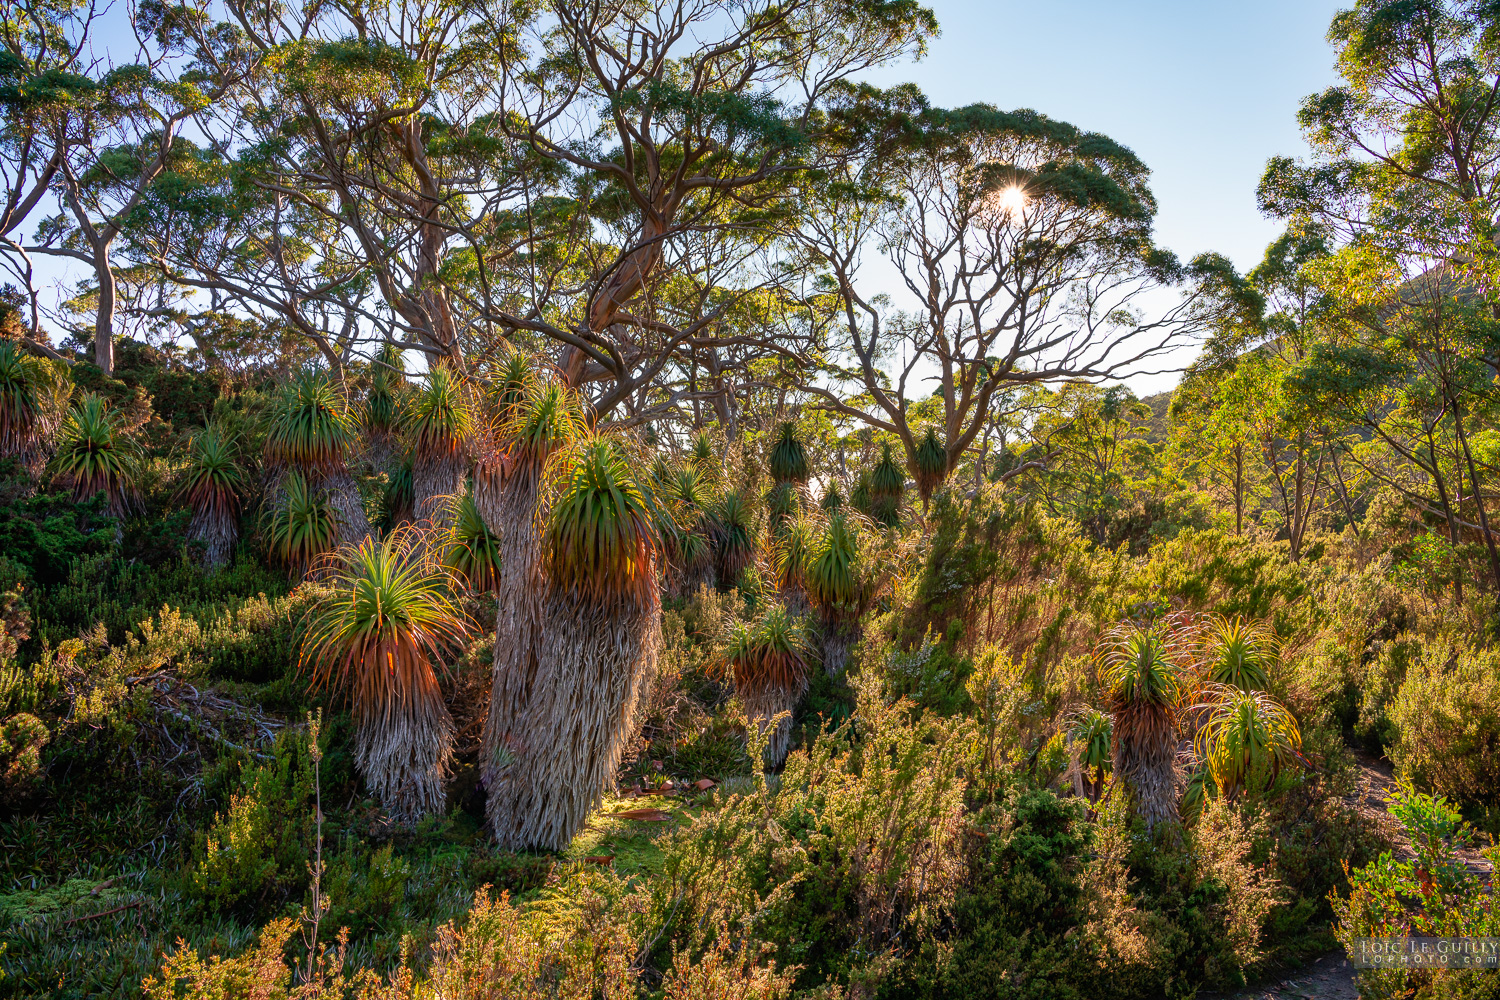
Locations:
(1204, 92)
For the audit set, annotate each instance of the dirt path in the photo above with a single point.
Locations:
(1377, 780)
(1331, 977)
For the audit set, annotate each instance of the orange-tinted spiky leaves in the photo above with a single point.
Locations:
(772, 653)
(310, 427)
(211, 486)
(379, 638)
(95, 455)
(600, 542)
(1137, 665)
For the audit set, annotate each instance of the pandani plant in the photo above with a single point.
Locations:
(472, 552)
(1090, 733)
(301, 527)
(860, 497)
(599, 645)
(732, 531)
(782, 504)
(1238, 652)
(788, 458)
(686, 553)
(703, 447)
(839, 586)
(440, 423)
(546, 421)
(833, 498)
(33, 401)
(310, 430)
(887, 483)
(211, 487)
(96, 455)
(398, 498)
(379, 637)
(505, 390)
(931, 466)
(384, 410)
(1246, 740)
(1137, 666)
(790, 550)
(770, 662)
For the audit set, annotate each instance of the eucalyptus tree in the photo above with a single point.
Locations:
(687, 118)
(112, 130)
(1213, 441)
(45, 86)
(1098, 442)
(1405, 174)
(353, 156)
(485, 171)
(1261, 441)
(1406, 148)
(1025, 244)
(1411, 374)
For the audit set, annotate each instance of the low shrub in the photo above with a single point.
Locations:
(254, 857)
(1446, 719)
(1432, 894)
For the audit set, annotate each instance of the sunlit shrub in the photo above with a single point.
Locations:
(1433, 894)
(257, 849)
(1446, 717)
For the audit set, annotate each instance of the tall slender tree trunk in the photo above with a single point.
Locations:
(1484, 520)
(1239, 488)
(104, 317)
(1442, 488)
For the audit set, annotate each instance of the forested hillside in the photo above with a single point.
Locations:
(596, 499)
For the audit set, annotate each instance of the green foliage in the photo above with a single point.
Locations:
(932, 464)
(385, 403)
(45, 535)
(835, 578)
(788, 459)
(27, 387)
(1232, 576)
(310, 428)
(1245, 739)
(1018, 912)
(887, 483)
(96, 455)
(731, 531)
(600, 542)
(255, 854)
(398, 497)
(473, 553)
(1138, 669)
(303, 527)
(385, 621)
(852, 847)
(1432, 894)
(441, 417)
(1446, 717)
(213, 479)
(22, 739)
(773, 653)
(1239, 653)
